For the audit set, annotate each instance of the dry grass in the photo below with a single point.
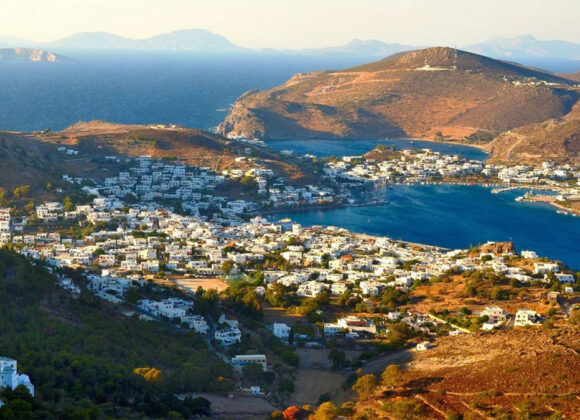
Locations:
(311, 383)
(391, 98)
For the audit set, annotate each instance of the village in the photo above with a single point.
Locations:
(411, 166)
(149, 239)
(345, 181)
(132, 246)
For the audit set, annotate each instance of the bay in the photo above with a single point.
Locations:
(458, 217)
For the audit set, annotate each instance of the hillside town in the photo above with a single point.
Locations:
(141, 237)
(134, 244)
(413, 166)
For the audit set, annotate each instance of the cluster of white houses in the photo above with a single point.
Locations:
(415, 166)
(148, 238)
(194, 188)
(411, 167)
(317, 260)
(175, 309)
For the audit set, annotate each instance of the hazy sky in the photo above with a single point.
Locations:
(298, 23)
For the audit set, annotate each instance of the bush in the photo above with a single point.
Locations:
(391, 375)
(326, 411)
(286, 385)
(365, 386)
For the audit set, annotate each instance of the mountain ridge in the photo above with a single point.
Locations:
(185, 39)
(422, 93)
(526, 46)
(522, 48)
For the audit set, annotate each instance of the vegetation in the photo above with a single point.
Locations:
(365, 386)
(87, 361)
(391, 375)
(241, 297)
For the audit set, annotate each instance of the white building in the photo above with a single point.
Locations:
(495, 314)
(242, 360)
(526, 317)
(5, 227)
(282, 331)
(9, 377)
(529, 254)
(545, 267)
(565, 278)
(422, 346)
(228, 336)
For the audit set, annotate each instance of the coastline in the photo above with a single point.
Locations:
(553, 202)
(377, 202)
(355, 139)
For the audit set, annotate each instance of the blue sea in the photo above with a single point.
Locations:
(458, 217)
(194, 90)
(347, 147)
(197, 90)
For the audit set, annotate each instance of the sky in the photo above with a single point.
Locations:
(298, 23)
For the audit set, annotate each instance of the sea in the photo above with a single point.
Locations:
(198, 90)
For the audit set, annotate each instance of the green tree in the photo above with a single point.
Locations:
(286, 385)
(253, 372)
(68, 203)
(21, 191)
(326, 411)
(391, 375)
(338, 358)
(365, 386)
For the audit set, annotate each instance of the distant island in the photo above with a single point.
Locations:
(29, 54)
(523, 48)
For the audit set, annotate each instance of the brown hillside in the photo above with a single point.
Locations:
(520, 373)
(557, 140)
(571, 76)
(409, 94)
(189, 145)
(32, 158)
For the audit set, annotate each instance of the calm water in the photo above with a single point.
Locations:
(345, 147)
(458, 217)
(194, 90)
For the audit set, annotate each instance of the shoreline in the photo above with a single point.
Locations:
(450, 142)
(377, 202)
(553, 202)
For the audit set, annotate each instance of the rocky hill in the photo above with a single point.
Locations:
(572, 76)
(557, 140)
(508, 374)
(33, 159)
(420, 94)
(28, 54)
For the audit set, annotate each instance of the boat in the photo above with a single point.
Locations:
(562, 212)
(519, 198)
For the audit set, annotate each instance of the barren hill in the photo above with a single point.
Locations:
(557, 139)
(521, 373)
(416, 93)
(572, 76)
(32, 158)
